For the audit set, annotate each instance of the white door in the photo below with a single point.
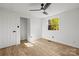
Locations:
(12, 32)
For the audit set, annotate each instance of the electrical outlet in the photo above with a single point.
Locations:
(52, 36)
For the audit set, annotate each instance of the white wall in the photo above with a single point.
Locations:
(35, 29)
(8, 23)
(69, 29)
(24, 28)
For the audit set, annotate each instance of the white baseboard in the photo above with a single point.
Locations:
(54, 40)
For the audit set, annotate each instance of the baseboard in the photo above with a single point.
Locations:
(33, 39)
(8, 45)
(62, 43)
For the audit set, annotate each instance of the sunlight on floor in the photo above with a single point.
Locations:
(28, 44)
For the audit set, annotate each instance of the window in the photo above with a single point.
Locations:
(53, 24)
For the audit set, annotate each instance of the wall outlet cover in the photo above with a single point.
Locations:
(52, 36)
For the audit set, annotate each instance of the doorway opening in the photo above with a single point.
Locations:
(24, 30)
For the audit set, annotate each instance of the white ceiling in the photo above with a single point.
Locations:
(53, 9)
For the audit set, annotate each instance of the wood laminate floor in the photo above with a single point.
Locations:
(41, 47)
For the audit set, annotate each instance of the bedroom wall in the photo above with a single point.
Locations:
(69, 29)
(9, 20)
(35, 29)
(8, 23)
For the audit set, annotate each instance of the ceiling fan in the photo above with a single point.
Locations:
(43, 7)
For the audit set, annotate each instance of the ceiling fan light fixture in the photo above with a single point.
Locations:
(45, 13)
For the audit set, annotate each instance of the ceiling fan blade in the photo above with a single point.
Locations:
(47, 5)
(35, 10)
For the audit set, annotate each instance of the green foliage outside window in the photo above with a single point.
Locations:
(53, 24)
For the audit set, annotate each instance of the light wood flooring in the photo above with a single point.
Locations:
(41, 47)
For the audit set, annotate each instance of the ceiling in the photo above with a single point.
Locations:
(53, 9)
